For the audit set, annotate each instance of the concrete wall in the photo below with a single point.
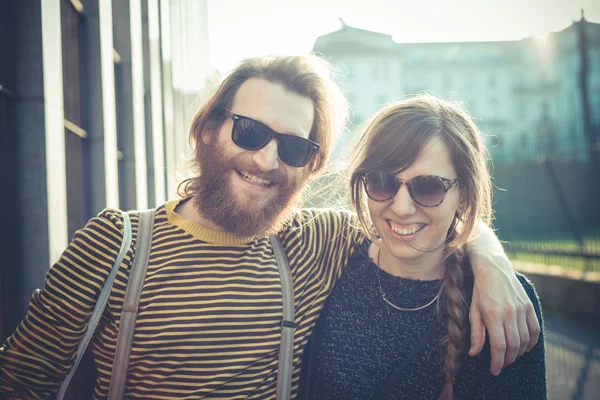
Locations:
(573, 293)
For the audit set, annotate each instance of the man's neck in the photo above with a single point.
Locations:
(188, 212)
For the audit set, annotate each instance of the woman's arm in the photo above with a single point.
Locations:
(500, 304)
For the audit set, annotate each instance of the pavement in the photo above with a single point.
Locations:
(572, 358)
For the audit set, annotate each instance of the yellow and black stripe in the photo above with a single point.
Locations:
(210, 309)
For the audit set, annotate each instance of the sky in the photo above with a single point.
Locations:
(243, 28)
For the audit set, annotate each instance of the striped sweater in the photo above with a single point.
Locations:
(210, 309)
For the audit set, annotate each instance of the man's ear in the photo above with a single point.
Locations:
(211, 131)
(205, 137)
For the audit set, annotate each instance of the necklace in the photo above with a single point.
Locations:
(392, 304)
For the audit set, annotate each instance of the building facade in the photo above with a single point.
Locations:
(96, 98)
(525, 95)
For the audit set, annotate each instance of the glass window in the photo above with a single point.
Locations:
(386, 70)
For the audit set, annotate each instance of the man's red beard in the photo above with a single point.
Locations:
(215, 200)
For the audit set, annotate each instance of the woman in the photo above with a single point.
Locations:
(396, 323)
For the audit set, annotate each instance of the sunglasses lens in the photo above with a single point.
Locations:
(427, 190)
(380, 185)
(294, 150)
(250, 135)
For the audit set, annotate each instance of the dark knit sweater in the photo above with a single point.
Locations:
(360, 342)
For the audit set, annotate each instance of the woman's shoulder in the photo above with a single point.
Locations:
(525, 282)
(530, 290)
(361, 254)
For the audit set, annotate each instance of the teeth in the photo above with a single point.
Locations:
(254, 179)
(406, 231)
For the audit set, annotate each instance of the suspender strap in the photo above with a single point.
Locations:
(130, 305)
(100, 306)
(286, 348)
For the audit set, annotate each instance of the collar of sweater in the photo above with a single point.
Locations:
(200, 232)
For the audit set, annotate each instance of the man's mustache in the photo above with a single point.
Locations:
(277, 176)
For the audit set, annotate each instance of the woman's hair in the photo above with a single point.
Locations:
(308, 76)
(392, 141)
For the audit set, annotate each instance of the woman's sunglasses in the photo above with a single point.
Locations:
(425, 190)
(250, 134)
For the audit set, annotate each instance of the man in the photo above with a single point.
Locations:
(210, 310)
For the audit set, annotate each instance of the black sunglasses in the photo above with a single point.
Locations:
(425, 190)
(250, 134)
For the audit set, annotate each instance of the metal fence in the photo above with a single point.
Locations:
(548, 211)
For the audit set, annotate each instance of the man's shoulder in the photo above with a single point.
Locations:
(113, 218)
(324, 216)
(326, 226)
(325, 223)
(327, 212)
(109, 219)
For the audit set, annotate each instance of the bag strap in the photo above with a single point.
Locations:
(99, 307)
(129, 312)
(286, 347)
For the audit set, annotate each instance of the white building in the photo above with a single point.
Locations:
(524, 94)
